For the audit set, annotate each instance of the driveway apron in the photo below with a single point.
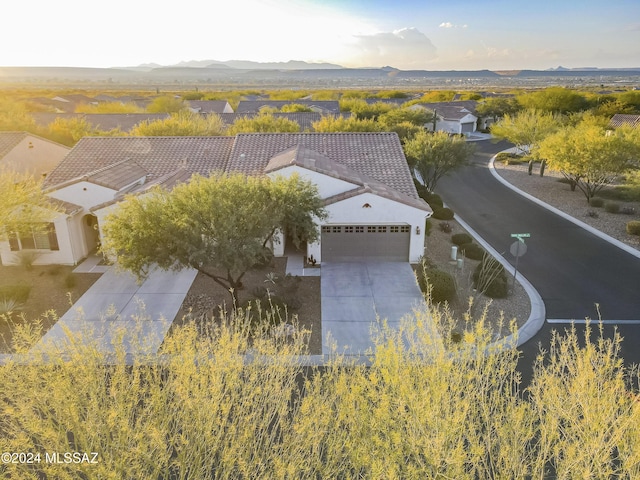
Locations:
(116, 310)
(356, 294)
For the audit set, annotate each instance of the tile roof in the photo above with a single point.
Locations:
(320, 106)
(376, 155)
(314, 161)
(620, 119)
(452, 110)
(208, 106)
(9, 140)
(118, 175)
(156, 155)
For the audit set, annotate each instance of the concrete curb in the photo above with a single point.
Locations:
(538, 312)
(587, 227)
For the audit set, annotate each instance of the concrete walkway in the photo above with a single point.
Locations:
(118, 310)
(356, 294)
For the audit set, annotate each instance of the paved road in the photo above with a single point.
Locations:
(571, 268)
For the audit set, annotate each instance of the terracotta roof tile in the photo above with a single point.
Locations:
(156, 155)
(620, 119)
(9, 140)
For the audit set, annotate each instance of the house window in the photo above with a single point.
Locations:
(45, 239)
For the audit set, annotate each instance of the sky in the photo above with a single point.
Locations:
(405, 34)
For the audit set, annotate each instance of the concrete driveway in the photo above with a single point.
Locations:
(355, 294)
(116, 306)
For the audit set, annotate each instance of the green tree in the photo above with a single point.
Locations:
(109, 107)
(496, 107)
(14, 116)
(589, 156)
(433, 155)
(330, 123)
(219, 226)
(526, 129)
(558, 100)
(181, 124)
(69, 131)
(295, 107)
(166, 104)
(363, 110)
(24, 208)
(263, 123)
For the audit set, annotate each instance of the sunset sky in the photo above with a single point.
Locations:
(406, 34)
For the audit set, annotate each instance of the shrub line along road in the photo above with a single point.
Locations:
(572, 269)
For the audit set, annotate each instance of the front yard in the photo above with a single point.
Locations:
(26, 295)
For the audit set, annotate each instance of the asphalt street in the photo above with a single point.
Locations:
(572, 269)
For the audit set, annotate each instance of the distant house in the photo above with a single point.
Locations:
(620, 119)
(374, 210)
(320, 106)
(27, 153)
(452, 117)
(210, 106)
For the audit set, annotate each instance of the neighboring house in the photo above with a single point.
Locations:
(210, 106)
(453, 117)
(26, 153)
(374, 210)
(620, 119)
(320, 106)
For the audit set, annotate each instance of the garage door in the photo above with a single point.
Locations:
(343, 243)
(467, 127)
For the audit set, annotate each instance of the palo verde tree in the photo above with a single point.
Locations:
(590, 156)
(263, 123)
(220, 225)
(433, 155)
(526, 129)
(182, 124)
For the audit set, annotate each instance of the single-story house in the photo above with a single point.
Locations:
(374, 210)
(27, 153)
(451, 117)
(210, 106)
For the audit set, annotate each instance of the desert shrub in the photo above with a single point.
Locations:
(612, 207)
(27, 258)
(439, 284)
(54, 270)
(592, 214)
(461, 238)
(445, 227)
(596, 202)
(434, 200)
(510, 158)
(265, 259)
(490, 278)
(442, 213)
(633, 227)
(472, 251)
(19, 293)
(428, 225)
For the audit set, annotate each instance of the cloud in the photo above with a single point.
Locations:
(405, 48)
(451, 25)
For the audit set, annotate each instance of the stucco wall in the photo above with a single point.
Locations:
(327, 186)
(85, 194)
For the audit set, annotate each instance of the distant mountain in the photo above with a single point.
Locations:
(247, 65)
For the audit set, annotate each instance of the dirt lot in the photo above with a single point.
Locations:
(205, 296)
(53, 287)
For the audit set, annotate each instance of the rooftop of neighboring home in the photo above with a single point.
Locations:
(101, 121)
(9, 140)
(210, 106)
(620, 119)
(452, 110)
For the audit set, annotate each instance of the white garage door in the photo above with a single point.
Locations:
(343, 243)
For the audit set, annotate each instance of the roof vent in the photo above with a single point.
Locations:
(366, 205)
